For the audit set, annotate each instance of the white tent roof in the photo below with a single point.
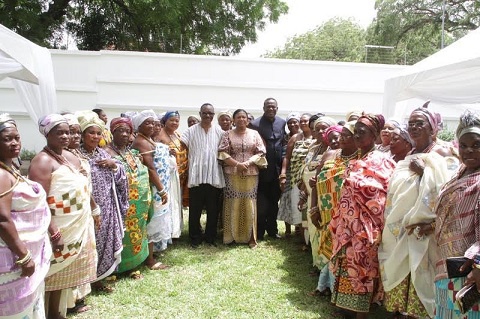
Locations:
(30, 68)
(450, 76)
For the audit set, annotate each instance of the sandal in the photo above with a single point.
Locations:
(105, 289)
(80, 307)
(136, 275)
(158, 266)
(318, 293)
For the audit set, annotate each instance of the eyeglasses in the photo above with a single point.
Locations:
(207, 113)
(417, 124)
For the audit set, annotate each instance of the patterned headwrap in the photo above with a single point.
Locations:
(350, 125)
(431, 118)
(333, 128)
(168, 115)
(224, 113)
(403, 133)
(469, 123)
(71, 119)
(293, 115)
(118, 121)
(48, 122)
(88, 119)
(129, 114)
(6, 121)
(374, 122)
(356, 113)
(141, 117)
(325, 119)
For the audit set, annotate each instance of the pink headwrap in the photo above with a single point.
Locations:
(333, 128)
(116, 122)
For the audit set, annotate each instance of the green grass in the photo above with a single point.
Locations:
(271, 281)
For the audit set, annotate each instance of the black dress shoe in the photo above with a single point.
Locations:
(195, 245)
(212, 243)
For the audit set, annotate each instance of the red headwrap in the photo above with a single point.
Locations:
(116, 122)
(330, 129)
(374, 122)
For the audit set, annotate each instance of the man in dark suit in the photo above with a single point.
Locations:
(272, 130)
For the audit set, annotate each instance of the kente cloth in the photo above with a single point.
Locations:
(358, 221)
(181, 156)
(285, 203)
(240, 208)
(21, 297)
(159, 227)
(175, 199)
(446, 307)
(110, 191)
(457, 230)
(135, 240)
(297, 159)
(411, 200)
(329, 185)
(69, 202)
(404, 299)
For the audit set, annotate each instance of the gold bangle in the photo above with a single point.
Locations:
(477, 266)
(282, 176)
(25, 259)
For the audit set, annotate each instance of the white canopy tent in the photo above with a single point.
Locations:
(30, 68)
(450, 77)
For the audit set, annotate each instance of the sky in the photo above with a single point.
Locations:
(305, 15)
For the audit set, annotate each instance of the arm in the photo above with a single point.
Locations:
(8, 231)
(40, 171)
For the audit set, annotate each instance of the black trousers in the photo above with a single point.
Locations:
(203, 196)
(267, 208)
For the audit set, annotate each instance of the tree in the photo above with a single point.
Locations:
(203, 26)
(414, 27)
(335, 40)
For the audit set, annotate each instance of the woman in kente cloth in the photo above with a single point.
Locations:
(25, 248)
(71, 229)
(135, 241)
(110, 191)
(357, 224)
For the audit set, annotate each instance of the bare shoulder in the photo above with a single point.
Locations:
(142, 145)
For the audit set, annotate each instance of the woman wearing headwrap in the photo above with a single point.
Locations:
(297, 149)
(408, 252)
(156, 158)
(457, 223)
(225, 120)
(308, 172)
(135, 240)
(110, 191)
(285, 204)
(24, 242)
(324, 199)
(357, 222)
(192, 120)
(170, 137)
(73, 262)
(385, 135)
(400, 143)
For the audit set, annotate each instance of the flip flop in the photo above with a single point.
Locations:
(136, 275)
(158, 266)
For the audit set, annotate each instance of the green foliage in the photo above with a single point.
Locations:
(207, 26)
(335, 40)
(414, 27)
(446, 135)
(27, 155)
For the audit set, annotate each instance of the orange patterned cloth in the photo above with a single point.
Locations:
(182, 166)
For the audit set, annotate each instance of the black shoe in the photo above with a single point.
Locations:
(212, 243)
(195, 245)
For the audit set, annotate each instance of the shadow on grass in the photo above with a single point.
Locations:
(298, 268)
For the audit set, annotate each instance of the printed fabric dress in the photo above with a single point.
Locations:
(240, 194)
(356, 225)
(135, 240)
(181, 158)
(457, 233)
(110, 191)
(160, 226)
(22, 297)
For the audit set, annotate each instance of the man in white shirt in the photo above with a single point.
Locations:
(205, 175)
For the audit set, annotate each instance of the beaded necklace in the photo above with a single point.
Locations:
(360, 155)
(62, 160)
(12, 170)
(174, 141)
(87, 154)
(148, 139)
(117, 150)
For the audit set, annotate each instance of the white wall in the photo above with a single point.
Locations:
(119, 81)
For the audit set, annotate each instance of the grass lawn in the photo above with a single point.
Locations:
(271, 281)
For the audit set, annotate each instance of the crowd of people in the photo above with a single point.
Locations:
(382, 205)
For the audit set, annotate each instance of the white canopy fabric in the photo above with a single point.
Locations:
(450, 76)
(30, 68)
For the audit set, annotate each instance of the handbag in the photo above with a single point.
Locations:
(453, 267)
(467, 297)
